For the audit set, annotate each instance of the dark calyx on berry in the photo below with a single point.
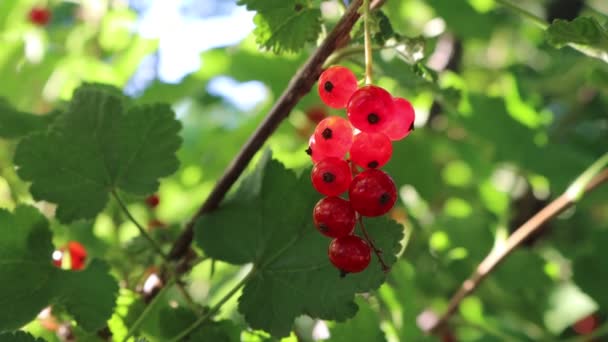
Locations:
(384, 198)
(372, 164)
(373, 118)
(327, 133)
(309, 151)
(412, 127)
(324, 227)
(328, 177)
(343, 273)
(328, 86)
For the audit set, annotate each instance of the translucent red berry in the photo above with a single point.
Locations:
(333, 137)
(371, 109)
(371, 150)
(152, 201)
(350, 254)
(331, 176)
(336, 85)
(334, 217)
(40, 16)
(78, 255)
(313, 151)
(372, 193)
(403, 123)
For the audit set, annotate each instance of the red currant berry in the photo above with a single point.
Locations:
(331, 176)
(372, 193)
(40, 16)
(403, 123)
(334, 217)
(313, 151)
(152, 201)
(78, 255)
(156, 223)
(336, 85)
(371, 109)
(350, 254)
(58, 257)
(371, 150)
(333, 137)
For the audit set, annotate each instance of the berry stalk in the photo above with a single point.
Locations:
(367, 43)
(370, 242)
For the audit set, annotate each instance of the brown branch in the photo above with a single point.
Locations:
(300, 84)
(431, 324)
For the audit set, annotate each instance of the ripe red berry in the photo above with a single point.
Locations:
(40, 16)
(350, 254)
(371, 150)
(372, 193)
(371, 109)
(403, 123)
(336, 85)
(313, 151)
(331, 176)
(333, 137)
(78, 255)
(334, 217)
(152, 201)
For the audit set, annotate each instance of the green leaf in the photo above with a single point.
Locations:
(19, 336)
(98, 146)
(589, 270)
(25, 254)
(292, 274)
(284, 25)
(365, 326)
(582, 30)
(15, 124)
(174, 321)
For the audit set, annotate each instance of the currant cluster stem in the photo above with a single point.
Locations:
(367, 43)
(376, 250)
(496, 256)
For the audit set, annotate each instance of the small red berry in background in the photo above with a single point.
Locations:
(40, 16)
(152, 201)
(77, 252)
(316, 114)
(156, 223)
(586, 325)
(336, 85)
(350, 254)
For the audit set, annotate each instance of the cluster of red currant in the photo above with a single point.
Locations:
(378, 119)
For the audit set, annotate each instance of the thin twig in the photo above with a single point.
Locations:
(149, 308)
(141, 229)
(376, 250)
(496, 256)
(299, 85)
(367, 41)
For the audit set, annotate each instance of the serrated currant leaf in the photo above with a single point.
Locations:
(365, 326)
(582, 30)
(25, 259)
(98, 146)
(284, 25)
(16, 124)
(292, 273)
(19, 336)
